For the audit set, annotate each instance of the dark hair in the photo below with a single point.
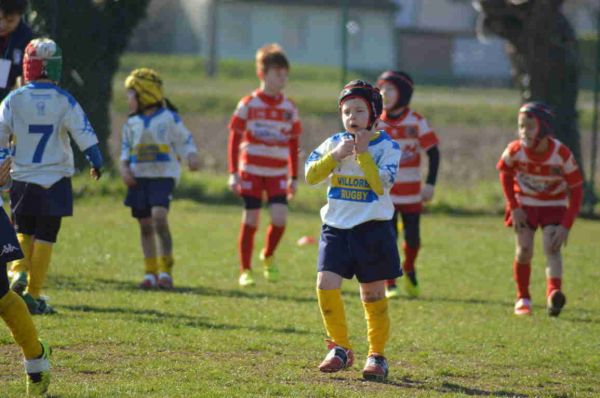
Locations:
(9, 7)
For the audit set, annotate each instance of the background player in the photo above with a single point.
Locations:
(13, 310)
(543, 188)
(41, 117)
(153, 140)
(263, 158)
(412, 132)
(357, 237)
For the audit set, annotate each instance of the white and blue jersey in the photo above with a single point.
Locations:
(153, 145)
(350, 199)
(42, 118)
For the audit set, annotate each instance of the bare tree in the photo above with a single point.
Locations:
(543, 50)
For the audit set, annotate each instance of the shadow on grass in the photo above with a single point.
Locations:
(103, 284)
(177, 319)
(406, 382)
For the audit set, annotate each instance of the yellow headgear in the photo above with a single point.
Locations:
(148, 86)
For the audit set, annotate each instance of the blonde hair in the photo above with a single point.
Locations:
(269, 56)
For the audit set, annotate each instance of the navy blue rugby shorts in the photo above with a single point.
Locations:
(367, 250)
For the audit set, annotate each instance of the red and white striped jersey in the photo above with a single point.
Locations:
(414, 135)
(541, 179)
(268, 125)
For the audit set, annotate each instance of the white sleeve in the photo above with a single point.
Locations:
(388, 164)
(5, 124)
(183, 141)
(78, 125)
(125, 143)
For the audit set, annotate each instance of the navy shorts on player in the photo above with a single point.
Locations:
(10, 250)
(149, 193)
(367, 250)
(30, 199)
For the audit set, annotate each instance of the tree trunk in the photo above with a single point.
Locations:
(92, 34)
(542, 47)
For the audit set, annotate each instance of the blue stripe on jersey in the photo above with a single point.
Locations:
(44, 85)
(159, 157)
(176, 117)
(352, 195)
(148, 119)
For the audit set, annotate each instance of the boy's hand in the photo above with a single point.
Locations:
(427, 192)
(361, 142)
(292, 187)
(234, 182)
(95, 173)
(193, 161)
(127, 176)
(519, 219)
(559, 238)
(5, 171)
(344, 149)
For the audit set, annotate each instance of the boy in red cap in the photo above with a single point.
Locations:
(543, 188)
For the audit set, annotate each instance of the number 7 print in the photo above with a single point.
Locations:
(45, 130)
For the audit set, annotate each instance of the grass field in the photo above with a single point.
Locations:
(209, 338)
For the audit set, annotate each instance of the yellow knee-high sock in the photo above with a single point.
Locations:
(16, 315)
(165, 264)
(151, 265)
(24, 264)
(378, 325)
(334, 316)
(40, 261)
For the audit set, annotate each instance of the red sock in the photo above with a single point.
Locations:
(245, 244)
(521, 273)
(274, 234)
(410, 256)
(552, 284)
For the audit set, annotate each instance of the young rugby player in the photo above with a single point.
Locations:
(39, 120)
(414, 135)
(263, 159)
(13, 310)
(357, 237)
(543, 188)
(154, 139)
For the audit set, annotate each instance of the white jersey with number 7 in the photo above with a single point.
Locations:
(42, 118)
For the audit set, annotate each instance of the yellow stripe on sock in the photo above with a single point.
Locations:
(378, 325)
(40, 262)
(24, 264)
(16, 315)
(151, 265)
(334, 316)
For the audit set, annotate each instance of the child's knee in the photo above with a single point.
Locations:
(524, 253)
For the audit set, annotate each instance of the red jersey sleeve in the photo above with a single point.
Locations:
(427, 137)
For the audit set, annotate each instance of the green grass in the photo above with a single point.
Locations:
(315, 90)
(211, 339)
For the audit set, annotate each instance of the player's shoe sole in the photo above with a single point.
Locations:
(556, 302)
